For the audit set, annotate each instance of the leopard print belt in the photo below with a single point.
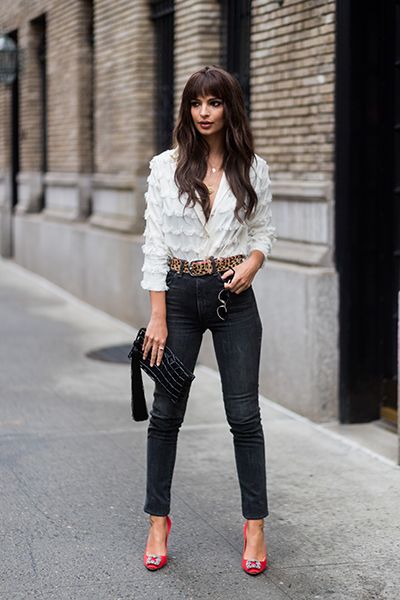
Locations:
(206, 266)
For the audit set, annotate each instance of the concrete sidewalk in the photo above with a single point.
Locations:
(72, 479)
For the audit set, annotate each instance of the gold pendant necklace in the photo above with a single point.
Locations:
(212, 168)
(213, 171)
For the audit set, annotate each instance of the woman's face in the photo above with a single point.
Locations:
(208, 114)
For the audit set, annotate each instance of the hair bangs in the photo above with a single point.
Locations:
(206, 84)
(193, 148)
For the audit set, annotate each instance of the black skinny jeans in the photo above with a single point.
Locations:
(191, 309)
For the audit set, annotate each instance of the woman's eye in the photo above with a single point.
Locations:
(214, 103)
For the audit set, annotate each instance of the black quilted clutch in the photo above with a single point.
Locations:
(172, 374)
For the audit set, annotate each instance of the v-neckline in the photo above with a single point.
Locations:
(217, 194)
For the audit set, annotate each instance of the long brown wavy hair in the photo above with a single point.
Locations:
(193, 149)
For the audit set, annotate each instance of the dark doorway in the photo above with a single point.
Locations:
(14, 135)
(163, 18)
(88, 74)
(367, 205)
(235, 42)
(39, 30)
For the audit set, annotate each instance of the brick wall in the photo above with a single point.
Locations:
(197, 39)
(292, 77)
(4, 128)
(30, 101)
(292, 86)
(69, 83)
(292, 81)
(14, 15)
(124, 85)
(122, 80)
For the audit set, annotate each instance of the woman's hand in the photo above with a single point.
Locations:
(154, 339)
(156, 331)
(244, 273)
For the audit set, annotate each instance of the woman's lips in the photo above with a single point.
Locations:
(205, 125)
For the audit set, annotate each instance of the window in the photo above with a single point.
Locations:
(40, 42)
(163, 19)
(235, 42)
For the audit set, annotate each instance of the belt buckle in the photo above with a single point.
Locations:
(190, 262)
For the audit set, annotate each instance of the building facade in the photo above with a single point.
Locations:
(97, 96)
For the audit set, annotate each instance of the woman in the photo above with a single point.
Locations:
(208, 231)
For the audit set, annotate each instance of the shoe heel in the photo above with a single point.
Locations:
(252, 566)
(154, 562)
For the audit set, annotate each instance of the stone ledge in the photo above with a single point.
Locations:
(30, 191)
(68, 215)
(120, 181)
(301, 253)
(303, 191)
(115, 223)
(5, 187)
(65, 179)
(67, 196)
(116, 203)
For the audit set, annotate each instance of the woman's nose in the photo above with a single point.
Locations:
(204, 111)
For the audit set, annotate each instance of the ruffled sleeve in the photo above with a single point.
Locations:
(155, 265)
(261, 231)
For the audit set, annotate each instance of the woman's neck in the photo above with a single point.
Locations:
(217, 146)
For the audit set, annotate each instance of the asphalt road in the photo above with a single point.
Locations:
(72, 480)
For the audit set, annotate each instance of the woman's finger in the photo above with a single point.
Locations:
(154, 352)
(147, 347)
(241, 288)
(236, 284)
(160, 354)
(232, 282)
(229, 274)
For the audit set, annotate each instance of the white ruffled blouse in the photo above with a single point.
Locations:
(172, 230)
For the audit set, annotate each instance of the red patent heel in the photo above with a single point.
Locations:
(153, 562)
(252, 566)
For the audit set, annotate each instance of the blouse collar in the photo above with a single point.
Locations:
(223, 188)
